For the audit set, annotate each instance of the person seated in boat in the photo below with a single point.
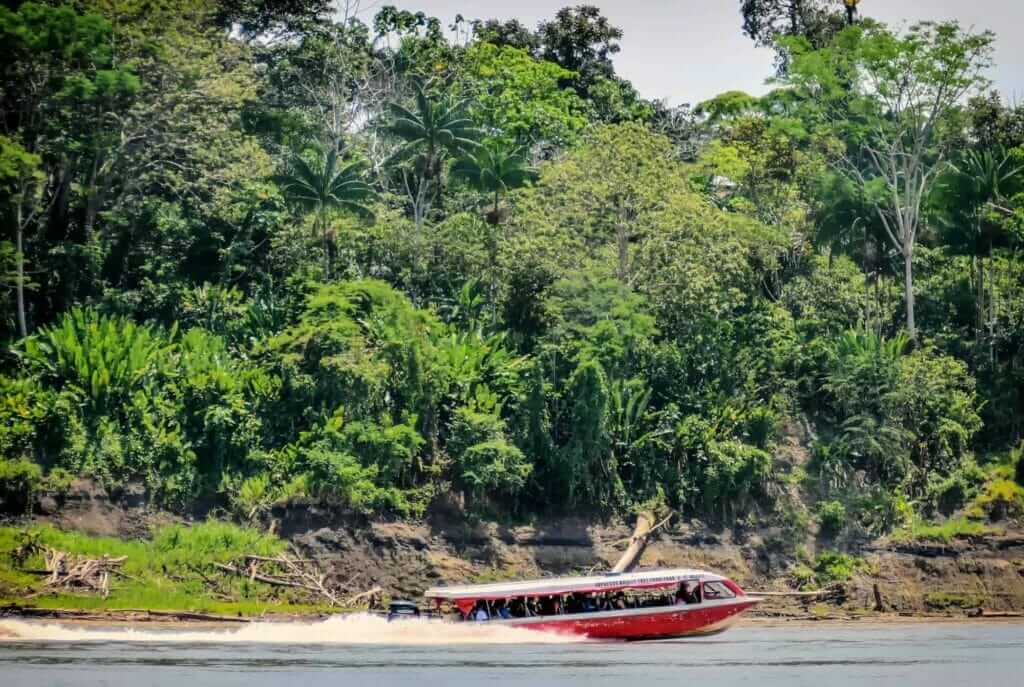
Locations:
(688, 593)
(619, 601)
(532, 609)
(589, 604)
(517, 608)
(574, 603)
(551, 605)
(501, 610)
(481, 614)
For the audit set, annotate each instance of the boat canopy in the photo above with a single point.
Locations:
(611, 582)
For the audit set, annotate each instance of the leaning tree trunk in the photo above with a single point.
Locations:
(645, 527)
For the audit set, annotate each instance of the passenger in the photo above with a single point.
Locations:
(503, 611)
(481, 613)
(574, 604)
(518, 608)
(589, 606)
(682, 595)
(531, 608)
(694, 588)
(620, 601)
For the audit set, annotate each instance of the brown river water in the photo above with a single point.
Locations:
(361, 650)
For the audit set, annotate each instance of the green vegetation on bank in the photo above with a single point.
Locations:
(173, 571)
(253, 254)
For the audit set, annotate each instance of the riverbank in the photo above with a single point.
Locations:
(213, 569)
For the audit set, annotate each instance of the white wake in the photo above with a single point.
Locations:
(347, 629)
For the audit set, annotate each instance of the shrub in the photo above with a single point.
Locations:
(881, 511)
(1000, 499)
(803, 577)
(98, 359)
(948, 494)
(19, 480)
(58, 481)
(831, 517)
(486, 461)
(832, 566)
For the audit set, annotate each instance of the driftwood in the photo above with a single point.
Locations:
(835, 592)
(73, 572)
(368, 597)
(820, 593)
(645, 527)
(284, 571)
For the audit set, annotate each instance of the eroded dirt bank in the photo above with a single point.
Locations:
(984, 574)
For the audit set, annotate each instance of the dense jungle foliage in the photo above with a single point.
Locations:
(258, 251)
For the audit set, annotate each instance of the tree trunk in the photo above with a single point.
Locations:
(622, 239)
(327, 250)
(637, 543)
(991, 305)
(19, 259)
(980, 297)
(908, 288)
(92, 202)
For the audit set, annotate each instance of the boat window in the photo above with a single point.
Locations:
(717, 590)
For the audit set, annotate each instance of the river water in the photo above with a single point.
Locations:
(368, 652)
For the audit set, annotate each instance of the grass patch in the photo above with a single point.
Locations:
(947, 600)
(945, 532)
(172, 571)
(829, 568)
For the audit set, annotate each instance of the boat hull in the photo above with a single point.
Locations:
(664, 622)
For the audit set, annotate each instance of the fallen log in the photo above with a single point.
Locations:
(368, 595)
(642, 531)
(297, 573)
(818, 593)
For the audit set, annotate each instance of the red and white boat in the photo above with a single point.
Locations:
(655, 604)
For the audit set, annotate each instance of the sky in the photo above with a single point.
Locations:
(686, 51)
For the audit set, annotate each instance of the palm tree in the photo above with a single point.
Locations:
(437, 128)
(493, 169)
(982, 181)
(324, 187)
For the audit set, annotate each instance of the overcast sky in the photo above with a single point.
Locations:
(691, 50)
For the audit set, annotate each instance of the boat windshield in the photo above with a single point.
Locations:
(717, 590)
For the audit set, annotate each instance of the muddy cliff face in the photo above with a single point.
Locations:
(404, 558)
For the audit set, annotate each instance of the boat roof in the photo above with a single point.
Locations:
(649, 579)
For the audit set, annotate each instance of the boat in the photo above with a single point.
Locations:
(644, 605)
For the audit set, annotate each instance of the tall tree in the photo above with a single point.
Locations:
(436, 128)
(493, 169)
(21, 182)
(325, 186)
(981, 182)
(886, 97)
(582, 40)
(766, 21)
